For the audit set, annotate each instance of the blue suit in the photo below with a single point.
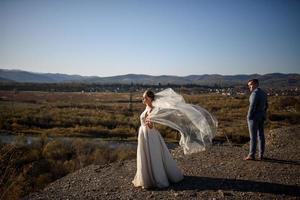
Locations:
(255, 118)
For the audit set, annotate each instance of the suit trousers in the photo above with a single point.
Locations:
(256, 130)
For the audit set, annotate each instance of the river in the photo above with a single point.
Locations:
(28, 140)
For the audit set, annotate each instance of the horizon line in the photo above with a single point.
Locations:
(144, 74)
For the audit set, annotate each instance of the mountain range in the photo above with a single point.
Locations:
(268, 80)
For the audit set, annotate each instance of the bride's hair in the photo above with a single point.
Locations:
(150, 94)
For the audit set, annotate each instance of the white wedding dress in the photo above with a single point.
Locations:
(155, 165)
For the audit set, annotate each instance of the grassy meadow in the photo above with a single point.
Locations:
(107, 115)
(116, 115)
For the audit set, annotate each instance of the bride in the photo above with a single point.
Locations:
(155, 165)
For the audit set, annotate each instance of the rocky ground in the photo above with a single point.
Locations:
(218, 173)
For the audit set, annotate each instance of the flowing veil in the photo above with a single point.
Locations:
(195, 124)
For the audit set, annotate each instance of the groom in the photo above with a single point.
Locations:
(255, 118)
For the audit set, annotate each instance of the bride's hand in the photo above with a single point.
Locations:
(148, 122)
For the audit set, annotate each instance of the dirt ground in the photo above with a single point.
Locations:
(218, 173)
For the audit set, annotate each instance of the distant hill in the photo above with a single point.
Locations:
(24, 76)
(267, 80)
(5, 80)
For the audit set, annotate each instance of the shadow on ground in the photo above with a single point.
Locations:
(215, 184)
(273, 160)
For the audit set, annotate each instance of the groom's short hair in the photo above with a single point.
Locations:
(255, 81)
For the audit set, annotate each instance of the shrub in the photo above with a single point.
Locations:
(124, 154)
(56, 150)
(101, 156)
(43, 180)
(276, 117)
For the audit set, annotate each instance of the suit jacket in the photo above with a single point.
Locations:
(258, 105)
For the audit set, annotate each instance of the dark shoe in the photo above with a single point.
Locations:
(260, 158)
(249, 158)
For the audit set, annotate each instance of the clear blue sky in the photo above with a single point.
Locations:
(156, 37)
